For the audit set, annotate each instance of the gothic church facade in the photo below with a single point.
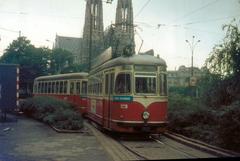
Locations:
(120, 36)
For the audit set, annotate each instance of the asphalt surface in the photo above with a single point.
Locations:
(24, 139)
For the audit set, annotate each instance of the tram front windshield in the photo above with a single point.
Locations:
(145, 84)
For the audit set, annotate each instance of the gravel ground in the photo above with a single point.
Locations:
(23, 139)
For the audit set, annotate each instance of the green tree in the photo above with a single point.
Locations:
(33, 61)
(60, 61)
(128, 50)
(224, 63)
(225, 57)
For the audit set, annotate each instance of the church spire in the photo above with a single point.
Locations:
(124, 25)
(93, 30)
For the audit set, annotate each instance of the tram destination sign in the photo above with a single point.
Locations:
(122, 98)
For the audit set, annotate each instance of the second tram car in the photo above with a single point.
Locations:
(71, 87)
(129, 94)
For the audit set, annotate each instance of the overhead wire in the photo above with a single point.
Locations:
(140, 11)
(196, 10)
(211, 20)
(186, 25)
(9, 30)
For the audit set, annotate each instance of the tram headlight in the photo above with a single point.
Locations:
(146, 115)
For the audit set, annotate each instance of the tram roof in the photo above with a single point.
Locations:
(141, 59)
(82, 75)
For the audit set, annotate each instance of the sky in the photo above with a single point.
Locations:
(162, 25)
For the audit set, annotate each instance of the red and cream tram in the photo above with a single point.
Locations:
(71, 87)
(129, 94)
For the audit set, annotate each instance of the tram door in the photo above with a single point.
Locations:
(109, 85)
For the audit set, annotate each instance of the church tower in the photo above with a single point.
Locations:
(93, 31)
(124, 28)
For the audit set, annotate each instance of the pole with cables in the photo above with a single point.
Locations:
(192, 46)
(192, 82)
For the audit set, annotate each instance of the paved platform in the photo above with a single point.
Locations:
(24, 139)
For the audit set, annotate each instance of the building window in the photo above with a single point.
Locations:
(124, 18)
(94, 13)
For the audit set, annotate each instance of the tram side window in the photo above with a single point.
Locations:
(84, 87)
(41, 87)
(65, 83)
(57, 87)
(72, 86)
(53, 87)
(89, 87)
(42, 91)
(123, 84)
(106, 84)
(38, 91)
(49, 87)
(61, 87)
(100, 88)
(112, 83)
(163, 84)
(78, 88)
(145, 85)
(45, 87)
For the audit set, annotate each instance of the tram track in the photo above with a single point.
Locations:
(201, 145)
(154, 148)
(181, 146)
(188, 155)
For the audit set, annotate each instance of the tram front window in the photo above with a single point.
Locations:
(123, 84)
(145, 85)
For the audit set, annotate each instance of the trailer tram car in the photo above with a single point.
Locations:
(71, 87)
(129, 94)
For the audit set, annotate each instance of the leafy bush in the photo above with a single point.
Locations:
(58, 113)
(219, 126)
(229, 127)
(191, 118)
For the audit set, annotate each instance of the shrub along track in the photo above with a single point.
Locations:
(154, 148)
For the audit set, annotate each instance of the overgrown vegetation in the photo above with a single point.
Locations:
(213, 117)
(192, 118)
(52, 111)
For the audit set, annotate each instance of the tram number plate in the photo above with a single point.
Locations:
(146, 129)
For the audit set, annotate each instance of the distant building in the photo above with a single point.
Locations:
(71, 44)
(182, 77)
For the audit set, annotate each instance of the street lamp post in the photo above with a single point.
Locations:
(192, 47)
(192, 85)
